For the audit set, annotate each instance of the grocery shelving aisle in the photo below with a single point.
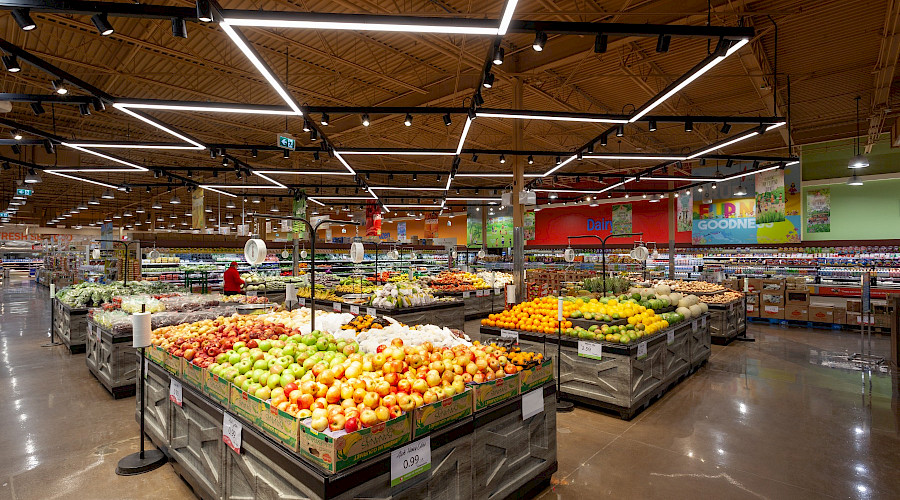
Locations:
(62, 433)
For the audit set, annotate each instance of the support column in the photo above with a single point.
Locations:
(518, 208)
(671, 215)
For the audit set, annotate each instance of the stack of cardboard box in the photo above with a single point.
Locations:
(796, 305)
(753, 307)
(771, 298)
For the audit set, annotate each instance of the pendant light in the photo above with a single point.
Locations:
(859, 160)
(108, 195)
(854, 180)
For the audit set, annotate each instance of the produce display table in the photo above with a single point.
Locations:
(621, 380)
(70, 325)
(727, 321)
(448, 314)
(491, 454)
(111, 358)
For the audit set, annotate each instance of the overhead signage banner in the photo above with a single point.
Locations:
(299, 210)
(770, 197)
(198, 221)
(621, 219)
(818, 211)
(685, 214)
(431, 225)
(373, 220)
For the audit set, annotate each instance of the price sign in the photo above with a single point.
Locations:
(532, 403)
(371, 311)
(591, 350)
(498, 292)
(509, 334)
(479, 293)
(703, 322)
(670, 337)
(354, 309)
(252, 293)
(336, 307)
(175, 391)
(466, 295)
(642, 350)
(231, 432)
(410, 461)
(695, 326)
(302, 301)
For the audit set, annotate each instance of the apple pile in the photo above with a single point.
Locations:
(327, 380)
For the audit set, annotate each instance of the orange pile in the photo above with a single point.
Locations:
(538, 315)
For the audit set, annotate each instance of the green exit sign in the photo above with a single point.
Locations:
(25, 192)
(286, 142)
(4, 215)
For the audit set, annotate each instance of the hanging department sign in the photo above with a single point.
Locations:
(299, 210)
(198, 221)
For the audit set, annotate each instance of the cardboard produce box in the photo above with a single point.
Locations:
(882, 320)
(172, 364)
(753, 310)
(192, 374)
(796, 297)
(796, 313)
(733, 284)
(854, 306)
(217, 388)
(495, 391)
(755, 284)
(535, 377)
(436, 415)
(278, 424)
(156, 354)
(335, 452)
(772, 286)
(772, 312)
(821, 314)
(796, 283)
(771, 299)
(840, 316)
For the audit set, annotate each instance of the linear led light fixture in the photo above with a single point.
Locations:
(391, 188)
(344, 198)
(496, 175)
(305, 20)
(685, 179)
(465, 130)
(634, 157)
(238, 38)
(391, 207)
(82, 179)
(317, 202)
(686, 81)
(474, 199)
(300, 172)
(202, 107)
(273, 181)
(561, 165)
(344, 162)
(129, 146)
(389, 152)
(714, 147)
(507, 16)
(449, 181)
(744, 174)
(108, 157)
(215, 190)
(774, 126)
(373, 194)
(792, 163)
(241, 186)
(562, 118)
(160, 126)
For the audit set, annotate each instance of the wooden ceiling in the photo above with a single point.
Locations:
(828, 58)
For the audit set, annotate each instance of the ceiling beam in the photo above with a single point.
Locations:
(884, 70)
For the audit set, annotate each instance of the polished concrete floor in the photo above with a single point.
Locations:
(783, 417)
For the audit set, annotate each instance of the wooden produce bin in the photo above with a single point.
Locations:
(70, 325)
(723, 323)
(112, 359)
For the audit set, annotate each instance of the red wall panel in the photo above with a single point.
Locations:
(554, 225)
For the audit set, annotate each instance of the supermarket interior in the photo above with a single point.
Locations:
(519, 249)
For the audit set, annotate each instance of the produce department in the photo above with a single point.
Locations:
(449, 250)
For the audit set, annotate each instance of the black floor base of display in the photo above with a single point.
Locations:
(77, 348)
(133, 464)
(564, 406)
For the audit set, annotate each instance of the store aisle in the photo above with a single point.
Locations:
(62, 433)
(779, 418)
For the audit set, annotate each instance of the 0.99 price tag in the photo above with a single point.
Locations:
(410, 461)
(231, 432)
(175, 391)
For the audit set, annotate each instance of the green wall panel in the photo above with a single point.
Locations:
(828, 160)
(867, 212)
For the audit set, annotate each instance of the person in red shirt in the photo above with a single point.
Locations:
(232, 280)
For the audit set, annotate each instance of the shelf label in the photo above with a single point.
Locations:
(251, 293)
(509, 334)
(479, 293)
(410, 461)
(591, 350)
(772, 309)
(532, 403)
(336, 307)
(695, 326)
(642, 350)
(175, 391)
(302, 301)
(670, 337)
(466, 295)
(371, 311)
(354, 309)
(703, 322)
(231, 432)
(498, 292)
